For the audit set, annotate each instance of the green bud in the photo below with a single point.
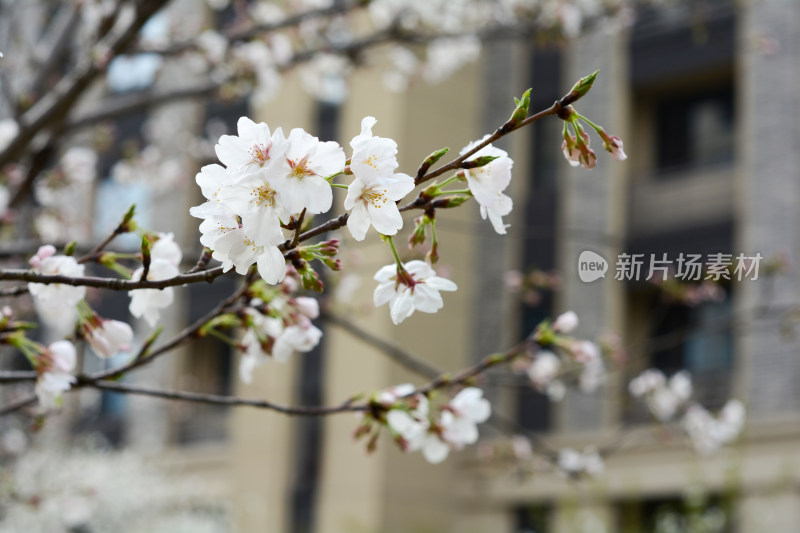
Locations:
(433, 254)
(582, 87)
(69, 249)
(479, 161)
(128, 223)
(310, 279)
(521, 112)
(418, 235)
(452, 201)
(431, 160)
(145, 256)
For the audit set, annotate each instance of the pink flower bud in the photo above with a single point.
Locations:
(43, 253)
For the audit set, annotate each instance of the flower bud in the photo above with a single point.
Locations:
(431, 160)
(521, 112)
(581, 87)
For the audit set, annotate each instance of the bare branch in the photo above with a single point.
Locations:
(216, 399)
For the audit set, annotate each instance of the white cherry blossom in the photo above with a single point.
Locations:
(300, 174)
(373, 194)
(56, 365)
(55, 294)
(545, 368)
(253, 197)
(416, 287)
(165, 258)
(252, 149)
(276, 338)
(488, 182)
(108, 337)
(233, 247)
(566, 322)
(462, 415)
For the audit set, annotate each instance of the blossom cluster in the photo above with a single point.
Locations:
(578, 361)
(575, 462)
(278, 328)
(417, 426)
(668, 398)
(270, 181)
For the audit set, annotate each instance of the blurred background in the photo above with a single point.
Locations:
(704, 96)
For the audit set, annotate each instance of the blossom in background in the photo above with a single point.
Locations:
(488, 182)
(410, 421)
(55, 294)
(8, 131)
(708, 433)
(414, 287)
(575, 462)
(79, 165)
(55, 366)
(373, 194)
(566, 322)
(165, 258)
(544, 372)
(663, 397)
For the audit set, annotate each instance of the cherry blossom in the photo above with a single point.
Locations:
(566, 322)
(278, 337)
(300, 174)
(488, 182)
(664, 397)
(254, 198)
(55, 366)
(573, 462)
(415, 286)
(413, 428)
(373, 194)
(55, 294)
(708, 433)
(165, 258)
(107, 337)
(460, 418)
(544, 369)
(252, 149)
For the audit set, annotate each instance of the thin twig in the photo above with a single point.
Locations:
(216, 399)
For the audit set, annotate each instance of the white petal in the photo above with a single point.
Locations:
(358, 221)
(401, 307)
(271, 265)
(434, 450)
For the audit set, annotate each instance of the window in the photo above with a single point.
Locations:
(533, 519)
(695, 130)
(698, 339)
(695, 513)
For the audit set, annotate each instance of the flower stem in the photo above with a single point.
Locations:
(394, 253)
(596, 128)
(214, 332)
(340, 185)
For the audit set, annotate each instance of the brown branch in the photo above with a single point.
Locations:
(56, 104)
(216, 399)
(114, 284)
